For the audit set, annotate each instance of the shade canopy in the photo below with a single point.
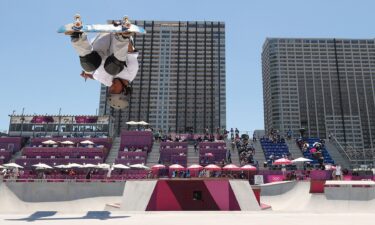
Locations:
(120, 166)
(142, 123)
(49, 142)
(88, 142)
(301, 160)
(12, 165)
(139, 166)
(176, 167)
(62, 166)
(131, 123)
(230, 167)
(249, 168)
(282, 161)
(195, 167)
(103, 166)
(74, 165)
(212, 167)
(42, 166)
(158, 166)
(89, 165)
(67, 143)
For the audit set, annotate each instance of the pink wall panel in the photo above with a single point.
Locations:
(219, 191)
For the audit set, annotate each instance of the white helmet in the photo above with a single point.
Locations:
(117, 101)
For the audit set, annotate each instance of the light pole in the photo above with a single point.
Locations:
(22, 120)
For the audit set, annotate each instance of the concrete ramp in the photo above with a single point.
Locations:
(350, 190)
(244, 195)
(14, 198)
(137, 195)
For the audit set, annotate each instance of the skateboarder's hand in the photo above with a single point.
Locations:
(86, 75)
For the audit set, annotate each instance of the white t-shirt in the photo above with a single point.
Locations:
(101, 44)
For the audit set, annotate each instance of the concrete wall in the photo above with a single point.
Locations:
(61, 191)
(276, 188)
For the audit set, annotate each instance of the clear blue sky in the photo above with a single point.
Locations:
(40, 70)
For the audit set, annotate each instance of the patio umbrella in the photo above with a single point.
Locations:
(14, 165)
(212, 167)
(248, 168)
(89, 165)
(282, 161)
(120, 166)
(42, 166)
(62, 166)
(231, 167)
(67, 143)
(195, 167)
(49, 142)
(103, 166)
(301, 160)
(131, 123)
(176, 167)
(158, 166)
(74, 165)
(2, 167)
(139, 166)
(142, 123)
(88, 142)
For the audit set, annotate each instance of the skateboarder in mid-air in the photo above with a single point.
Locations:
(110, 58)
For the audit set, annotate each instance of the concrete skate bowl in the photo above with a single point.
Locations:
(58, 196)
(294, 196)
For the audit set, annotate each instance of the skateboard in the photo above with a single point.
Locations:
(114, 26)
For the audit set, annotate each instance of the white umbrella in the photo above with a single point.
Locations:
(12, 165)
(67, 143)
(74, 165)
(2, 167)
(87, 142)
(103, 166)
(42, 166)
(62, 166)
(142, 123)
(49, 142)
(89, 165)
(120, 166)
(301, 159)
(132, 123)
(139, 166)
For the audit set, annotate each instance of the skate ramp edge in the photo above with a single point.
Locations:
(350, 190)
(244, 195)
(137, 195)
(13, 201)
(276, 188)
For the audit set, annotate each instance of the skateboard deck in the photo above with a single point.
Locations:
(119, 26)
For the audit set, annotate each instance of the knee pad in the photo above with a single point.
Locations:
(113, 66)
(90, 62)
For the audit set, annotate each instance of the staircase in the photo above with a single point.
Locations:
(336, 155)
(234, 155)
(113, 153)
(192, 156)
(153, 156)
(293, 149)
(259, 154)
(15, 156)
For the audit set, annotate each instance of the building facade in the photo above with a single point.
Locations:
(323, 85)
(180, 85)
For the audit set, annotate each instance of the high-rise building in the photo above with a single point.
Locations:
(180, 85)
(323, 85)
